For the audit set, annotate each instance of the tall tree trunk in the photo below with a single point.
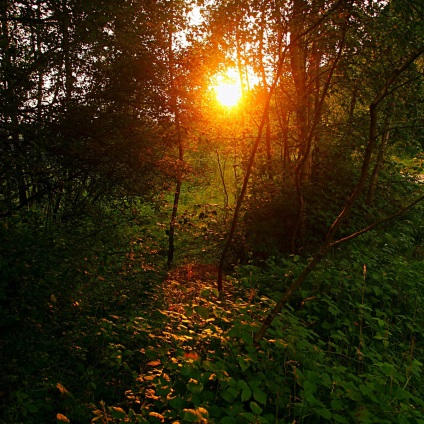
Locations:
(377, 168)
(247, 176)
(380, 159)
(175, 112)
(66, 51)
(265, 89)
(298, 51)
(12, 105)
(224, 185)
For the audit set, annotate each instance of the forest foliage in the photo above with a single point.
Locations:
(165, 258)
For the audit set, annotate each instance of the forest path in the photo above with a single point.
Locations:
(185, 283)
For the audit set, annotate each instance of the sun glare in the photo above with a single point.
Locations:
(227, 90)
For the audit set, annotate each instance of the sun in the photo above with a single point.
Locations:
(227, 91)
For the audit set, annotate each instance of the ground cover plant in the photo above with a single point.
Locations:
(134, 343)
(342, 352)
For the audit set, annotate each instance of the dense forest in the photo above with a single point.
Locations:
(211, 211)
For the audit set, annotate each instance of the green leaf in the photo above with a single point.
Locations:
(309, 387)
(205, 292)
(241, 384)
(340, 419)
(177, 402)
(337, 404)
(249, 416)
(324, 412)
(227, 420)
(313, 377)
(259, 395)
(188, 311)
(202, 311)
(243, 363)
(30, 407)
(117, 412)
(215, 292)
(194, 387)
(256, 409)
(230, 394)
(235, 331)
(190, 415)
(246, 394)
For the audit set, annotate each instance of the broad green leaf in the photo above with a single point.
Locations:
(309, 387)
(194, 386)
(202, 311)
(191, 415)
(188, 311)
(340, 419)
(337, 404)
(313, 377)
(249, 416)
(227, 420)
(324, 412)
(242, 384)
(117, 412)
(256, 409)
(246, 394)
(235, 331)
(259, 395)
(230, 394)
(30, 407)
(177, 402)
(243, 363)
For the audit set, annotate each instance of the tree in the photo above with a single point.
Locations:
(85, 104)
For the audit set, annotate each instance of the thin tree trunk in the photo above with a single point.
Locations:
(224, 185)
(175, 111)
(265, 88)
(171, 247)
(377, 168)
(246, 178)
(298, 51)
(305, 163)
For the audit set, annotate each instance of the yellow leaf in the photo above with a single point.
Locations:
(158, 416)
(62, 418)
(153, 363)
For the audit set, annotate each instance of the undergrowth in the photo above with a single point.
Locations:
(106, 336)
(348, 349)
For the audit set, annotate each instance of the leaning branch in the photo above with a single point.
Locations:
(328, 244)
(378, 223)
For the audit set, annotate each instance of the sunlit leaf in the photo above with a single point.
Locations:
(62, 418)
(160, 417)
(153, 363)
(191, 415)
(117, 412)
